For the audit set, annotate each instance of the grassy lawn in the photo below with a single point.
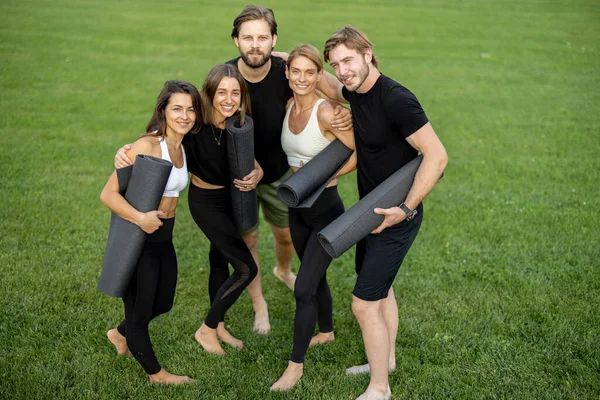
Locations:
(499, 296)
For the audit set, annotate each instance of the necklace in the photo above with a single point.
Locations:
(306, 109)
(215, 136)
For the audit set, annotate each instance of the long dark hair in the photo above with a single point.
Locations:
(158, 122)
(211, 84)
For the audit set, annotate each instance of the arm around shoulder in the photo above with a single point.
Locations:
(325, 115)
(331, 87)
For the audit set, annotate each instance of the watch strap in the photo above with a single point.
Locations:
(410, 214)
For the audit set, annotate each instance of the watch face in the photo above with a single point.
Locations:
(412, 215)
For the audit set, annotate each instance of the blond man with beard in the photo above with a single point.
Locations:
(390, 129)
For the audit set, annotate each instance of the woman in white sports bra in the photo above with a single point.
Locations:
(306, 131)
(152, 288)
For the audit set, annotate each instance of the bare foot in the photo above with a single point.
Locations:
(374, 394)
(261, 316)
(164, 377)
(321, 338)
(286, 277)
(226, 337)
(118, 341)
(365, 369)
(207, 338)
(290, 377)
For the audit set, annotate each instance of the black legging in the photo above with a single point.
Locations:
(219, 271)
(313, 298)
(211, 209)
(150, 293)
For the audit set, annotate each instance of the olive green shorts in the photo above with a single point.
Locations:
(274, 211)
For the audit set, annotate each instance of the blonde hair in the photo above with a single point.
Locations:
(353, 39)
(309, 51)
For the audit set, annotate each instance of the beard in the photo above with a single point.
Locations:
(257, 63)
(361, 74)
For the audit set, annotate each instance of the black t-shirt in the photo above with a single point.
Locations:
(269, 98)
(205, 157)
(383, 118)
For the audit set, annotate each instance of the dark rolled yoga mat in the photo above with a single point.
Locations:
(240, 152)
(357, 222)
(304, 186)
(142, 185)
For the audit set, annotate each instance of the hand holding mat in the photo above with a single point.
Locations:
(143, 184)
(240, 152)
(304, 186)
(360, 220)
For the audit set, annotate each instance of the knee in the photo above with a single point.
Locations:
(250, 272)
(251, 239)
(303, 295)
(363, 309)
(282, 236)
(138, 324)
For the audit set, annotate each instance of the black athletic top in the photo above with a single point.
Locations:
(205, 158)
(269, 98)
(383, 118)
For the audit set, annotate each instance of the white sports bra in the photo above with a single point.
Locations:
(179, 176)
(305, 145)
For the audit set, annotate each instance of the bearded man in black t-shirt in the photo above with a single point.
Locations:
(390, 129)
(255, 34)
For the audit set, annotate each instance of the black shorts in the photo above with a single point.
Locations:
(378, 258)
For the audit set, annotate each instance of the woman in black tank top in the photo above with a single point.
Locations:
(224, 93)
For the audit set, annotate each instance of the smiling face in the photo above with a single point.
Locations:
(180, 114)
(350, 67)
(255, 42)
(227, 99)
(303, 75)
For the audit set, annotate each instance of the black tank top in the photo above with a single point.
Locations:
(205, 157)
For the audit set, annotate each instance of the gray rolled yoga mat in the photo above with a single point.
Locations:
(357, 222)
(240, 152)
(142, 185)
(304, 186)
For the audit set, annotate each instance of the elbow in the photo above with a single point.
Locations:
(443, 160)
(354, 161)
(104, 197)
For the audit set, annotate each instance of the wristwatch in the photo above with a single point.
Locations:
(410, 214)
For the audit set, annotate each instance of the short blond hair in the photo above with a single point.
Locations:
(353, 39)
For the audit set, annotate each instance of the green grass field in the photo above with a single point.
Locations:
(499, 296)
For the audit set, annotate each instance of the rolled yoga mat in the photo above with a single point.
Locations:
(240, 152)
(304, 186)
(360, 220)
(142, 185)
